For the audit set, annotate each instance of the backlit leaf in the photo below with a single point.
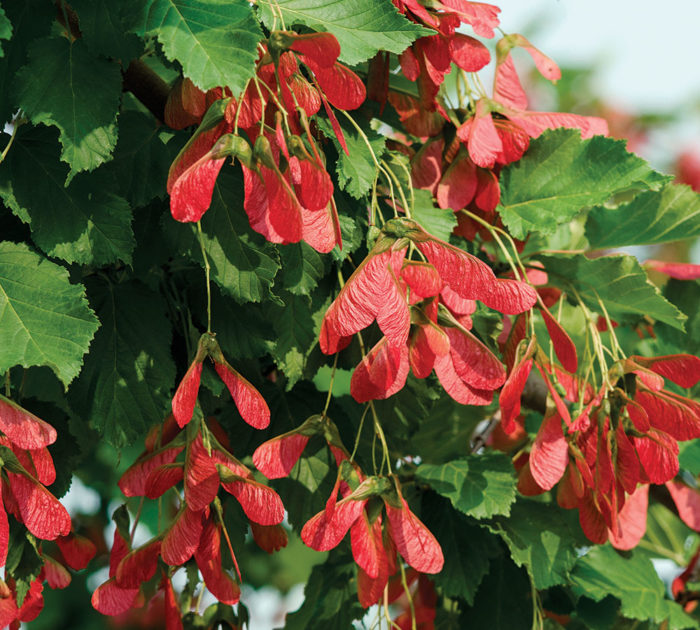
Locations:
(479, 486)
(561, 174)
(64, 85)
(362, 27)
(44, 319)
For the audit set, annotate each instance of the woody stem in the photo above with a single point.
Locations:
(207, 273)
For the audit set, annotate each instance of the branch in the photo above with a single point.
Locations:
(147, 86)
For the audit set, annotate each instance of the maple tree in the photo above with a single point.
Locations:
(276, 273)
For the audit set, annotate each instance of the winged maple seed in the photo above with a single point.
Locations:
(197, 527)
(249, 402)
(288, 193)
(27, 468)
(604, 455)
(423, 310)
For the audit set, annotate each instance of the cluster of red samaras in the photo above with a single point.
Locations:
(27, 468)
(423, 309)
(288, 192)
(602, 448)
(371, 508)
(198, 524)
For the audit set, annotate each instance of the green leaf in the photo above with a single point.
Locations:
(652, 217)
(503, 601)
(358, 170)
(480, 485)
(242, 262)
(460, 538)
(560, 174)
(215, 41)
(64, 85)
(309, 484)
(242, 330)
(437, 221)
(302, 268)
(102, 29)
(5, 29)
(128, 376)
(141, 159)
(44, 319)
(30, 20)
(632, 580)
(686, 296)
(330, 597)
(542, 538)
(362, 27)
(295, 335)
(84, 222)
(619, 281)
(23, 560)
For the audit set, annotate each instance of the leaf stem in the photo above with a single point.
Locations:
(207, 273)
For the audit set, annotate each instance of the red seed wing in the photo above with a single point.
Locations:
(182, 539)
(133, 481)
(426, 166)
(185, 397)
(592, 522)
(507, 88)
(162, 479)
(191, 193)
(77, 550)
(381, 373)
(509, 399)
(371, 289)
(55, 573)
(249, 402)
(23, 428)
(39, 510)
(367, 547)
(321, 229)
(138, 566)
(550, 453)
(260, 503)
(276, 457)
(109, 599)
(455, 387)
(632, 520)
(322, 48)
(658, 454)
(680, 271)
(676, 416)
(563, 346)
(422, 278)
(465, 274)
(458, 184)
(208, 558)
(414, 541)
(682, 369)
(687, 501)
(316, 188)
(468, 53)
(510, 296)
(534, 123)
(474, 363)
(201, 477)
(269, 538)
(323, 532)
(340, 85)
(173, 619)
(4, 532)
